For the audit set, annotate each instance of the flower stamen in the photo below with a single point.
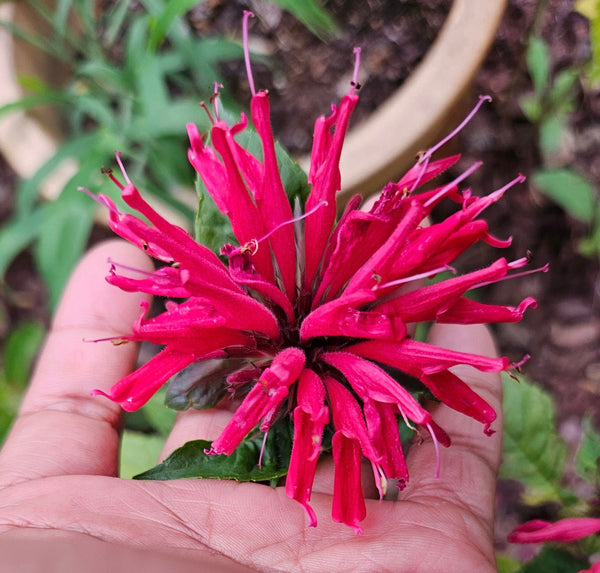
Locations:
(437, 451)
(355, 83)
(247, 14)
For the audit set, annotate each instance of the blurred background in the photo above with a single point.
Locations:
(80, 79)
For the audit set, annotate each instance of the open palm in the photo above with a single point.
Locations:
(59, 465)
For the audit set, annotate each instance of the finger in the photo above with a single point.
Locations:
(61, 428)
(195, 425)
(469, 467)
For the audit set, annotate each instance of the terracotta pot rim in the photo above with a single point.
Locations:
(375, 152)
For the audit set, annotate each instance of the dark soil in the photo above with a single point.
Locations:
(307, 74)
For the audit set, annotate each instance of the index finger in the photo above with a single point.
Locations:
(61, 428)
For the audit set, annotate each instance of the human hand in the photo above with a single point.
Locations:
(58, 471)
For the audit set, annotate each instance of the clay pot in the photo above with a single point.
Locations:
(375, 152)
(425, 107)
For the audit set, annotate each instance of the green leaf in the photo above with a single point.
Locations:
(554, 560)
(62, 240)
(190, 461)
(538, 63)
(587, 458)
(160, 25)
(531, 106)
(562, 93)
(506, 564)
(115, 20)
(533, 452)
(311, 14)
(158, 415)
(29, 102)
(138, 451)
(211, 228)
(551, 134)
(570, 190)
(20, 349)
(17, 234)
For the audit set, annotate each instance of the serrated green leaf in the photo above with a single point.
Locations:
(20, 349)
(138, 451)
(190, 461)
(587, 458)
(570, 190)
(533, 452)
(553, 560)
(538, 63)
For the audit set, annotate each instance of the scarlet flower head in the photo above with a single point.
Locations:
(310, 311)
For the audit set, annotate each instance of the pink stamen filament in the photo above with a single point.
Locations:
(437, 451)
(406, 420)
(262, 449)
(457, 129)
(380, 479)
(247, 15)
(424, 275)
(543, 269)
(354, 82)
(518, 179)
(115, 265)
(100, 199)
(447, 188)
(252, 245)
(517, 365)
(426, 157)
(120, 162)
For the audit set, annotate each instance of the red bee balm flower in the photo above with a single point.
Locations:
(312, 309)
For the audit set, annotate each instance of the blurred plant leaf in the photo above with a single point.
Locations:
(63, 235)
(551, 134)
(20, 349)
(569, 189)
(554, 560)
(161, 24)
(531, 106)
(506, 564)
(211, 228)
(190, 461)
(17, 234)
(158, 415)
(311, 14)
(138, 451)
(587, 458)
(561, 95)
(538, 63)
(533, 452)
